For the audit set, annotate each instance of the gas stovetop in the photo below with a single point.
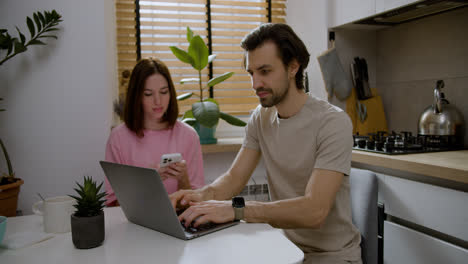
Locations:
(403, 143)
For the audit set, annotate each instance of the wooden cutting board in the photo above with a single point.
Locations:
(375, 120)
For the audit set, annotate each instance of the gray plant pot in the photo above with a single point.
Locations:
(87, 232)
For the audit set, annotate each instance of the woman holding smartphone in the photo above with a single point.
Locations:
(151, 129)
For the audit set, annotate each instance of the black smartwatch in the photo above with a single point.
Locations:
(238, 205)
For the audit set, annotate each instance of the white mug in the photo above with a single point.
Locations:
(56, 212)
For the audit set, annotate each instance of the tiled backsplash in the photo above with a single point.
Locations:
(412, 57)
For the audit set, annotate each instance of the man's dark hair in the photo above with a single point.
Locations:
(133, 111)
(288, 45)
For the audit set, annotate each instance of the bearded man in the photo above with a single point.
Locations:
(306, 146)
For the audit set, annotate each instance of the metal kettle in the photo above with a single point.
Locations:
(441, 118)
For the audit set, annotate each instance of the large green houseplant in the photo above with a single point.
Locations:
(41, 26)
(205, 113)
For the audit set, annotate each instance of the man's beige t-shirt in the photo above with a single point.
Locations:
(318, 136)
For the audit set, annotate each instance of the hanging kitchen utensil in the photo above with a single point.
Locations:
(351, 109)
(365, 79)
(360, 75)
(336, 80)
(362, 111)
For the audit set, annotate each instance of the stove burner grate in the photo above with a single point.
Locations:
(404, 143)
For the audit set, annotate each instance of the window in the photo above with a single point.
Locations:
(147, 29)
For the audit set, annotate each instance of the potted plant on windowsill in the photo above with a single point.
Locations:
(205, 114)
(40, 27)
(87, 223)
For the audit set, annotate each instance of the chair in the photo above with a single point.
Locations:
(363, 191)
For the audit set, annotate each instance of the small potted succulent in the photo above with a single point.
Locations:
(87, 223)
(205, 113)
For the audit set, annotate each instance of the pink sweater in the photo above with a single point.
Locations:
(125, 147)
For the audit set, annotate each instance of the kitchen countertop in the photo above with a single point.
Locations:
(223, 145)
(449, 165)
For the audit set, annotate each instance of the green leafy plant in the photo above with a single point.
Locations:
(206, 111)
(43, 23)
(90, 201)
(40, 27)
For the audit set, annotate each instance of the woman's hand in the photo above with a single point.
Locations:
(177, 171)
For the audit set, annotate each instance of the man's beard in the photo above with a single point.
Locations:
(275, 98)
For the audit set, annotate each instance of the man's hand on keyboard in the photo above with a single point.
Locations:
(209, 211)
(182, 198)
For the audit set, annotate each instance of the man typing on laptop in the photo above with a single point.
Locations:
(306, 145)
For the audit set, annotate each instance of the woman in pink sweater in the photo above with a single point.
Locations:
(151, 129)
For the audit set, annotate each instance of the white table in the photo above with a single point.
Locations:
(129, 243)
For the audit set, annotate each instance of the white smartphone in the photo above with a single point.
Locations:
(167, 159)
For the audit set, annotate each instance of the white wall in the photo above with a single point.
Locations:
(58, 97)
(309, 21)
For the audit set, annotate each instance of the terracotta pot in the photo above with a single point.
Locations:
(9, 198)
(87, 232)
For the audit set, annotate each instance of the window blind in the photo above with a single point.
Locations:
(222, 24)
(126, 42)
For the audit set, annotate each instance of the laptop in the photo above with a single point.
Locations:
(144, 201)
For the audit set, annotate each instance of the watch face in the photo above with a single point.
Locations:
(238, 202)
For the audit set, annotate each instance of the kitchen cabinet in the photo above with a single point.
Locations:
(424, 223)
(343, 14)
(385, 5)
(438, 208)
(404, 245)
(425, 205)
(345, 11)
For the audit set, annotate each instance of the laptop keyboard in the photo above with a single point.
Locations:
(202, 227)
(191, 228)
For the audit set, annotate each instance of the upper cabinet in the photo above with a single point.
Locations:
(345, 11)
(385, 5)
(354, 13)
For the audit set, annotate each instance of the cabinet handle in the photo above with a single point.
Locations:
(381, 217)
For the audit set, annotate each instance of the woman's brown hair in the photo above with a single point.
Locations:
(133, 111)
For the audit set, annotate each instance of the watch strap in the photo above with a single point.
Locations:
(238, 213)
(238, 205)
